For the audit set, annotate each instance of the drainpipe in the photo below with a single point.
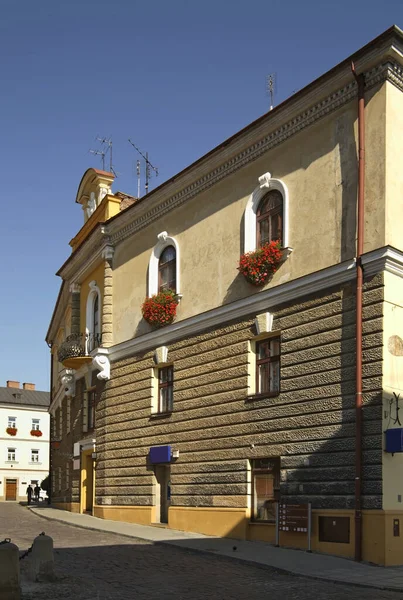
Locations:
(358, 325)
(50, 432)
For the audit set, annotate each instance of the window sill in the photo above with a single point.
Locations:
(161, 415)
(34, 463)
(11, 462)
(253, 397)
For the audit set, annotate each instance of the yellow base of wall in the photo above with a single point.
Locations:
(222, 522)
(379, 545)
(70, 506)
(129, 514)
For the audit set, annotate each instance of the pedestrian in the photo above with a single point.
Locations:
(37, 491)
(29, 493)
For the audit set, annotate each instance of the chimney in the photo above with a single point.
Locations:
(28, 386)
(13, 384)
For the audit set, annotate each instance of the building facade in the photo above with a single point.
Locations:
(24, 439)
(253, 394)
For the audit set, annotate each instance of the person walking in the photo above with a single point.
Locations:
(29, 493)
(37, 491)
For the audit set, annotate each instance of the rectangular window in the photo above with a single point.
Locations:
(11, 454)
(265, 488)
(35, 425)
(165, 389)
(12, 422)
(91, 405)
(35, 456)
(268, 366)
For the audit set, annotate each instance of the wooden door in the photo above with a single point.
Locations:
(11, 489)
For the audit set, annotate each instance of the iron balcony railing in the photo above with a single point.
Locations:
(78, 344)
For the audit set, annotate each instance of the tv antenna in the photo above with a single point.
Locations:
(148, 168)
(270, 88)
(106, 148)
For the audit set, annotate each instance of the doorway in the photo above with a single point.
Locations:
(11, 489)
(163, 492)
(87, 482)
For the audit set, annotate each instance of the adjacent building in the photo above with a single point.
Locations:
(277, 386)
(24, 439)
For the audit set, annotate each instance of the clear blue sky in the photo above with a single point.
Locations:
(177, 77)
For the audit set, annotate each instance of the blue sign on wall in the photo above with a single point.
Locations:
(160, 454)
(394, 440)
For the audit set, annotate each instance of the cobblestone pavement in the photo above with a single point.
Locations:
(92, 565)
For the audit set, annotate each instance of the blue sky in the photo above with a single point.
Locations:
(176, 77)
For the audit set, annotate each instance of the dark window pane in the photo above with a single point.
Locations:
(167, 255)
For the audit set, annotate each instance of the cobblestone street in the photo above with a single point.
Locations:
(93, 565)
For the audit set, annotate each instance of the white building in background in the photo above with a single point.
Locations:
(24, 439)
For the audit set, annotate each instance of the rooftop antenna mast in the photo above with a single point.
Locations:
(149, 166)
(270, 87)
(107, 142)
(100, 153)
(138, 178)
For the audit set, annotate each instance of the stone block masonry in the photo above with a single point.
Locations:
(310, 424)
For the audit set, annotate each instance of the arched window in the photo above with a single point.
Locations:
(269, 218)
(93, 317)
(95, 324)
(266, 214)
(167, 269)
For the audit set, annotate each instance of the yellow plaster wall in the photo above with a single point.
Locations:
(222, 522)
(128, 514)
(69, 506)
(392, 382)
(394, 171)
(108, 208)
(96, 275)
(319, 167)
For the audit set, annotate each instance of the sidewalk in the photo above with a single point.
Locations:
(318, 566)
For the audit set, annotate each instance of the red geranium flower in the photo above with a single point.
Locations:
(160, 309)
(258, 266)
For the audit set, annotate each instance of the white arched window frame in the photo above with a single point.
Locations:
(266, 183)
(93, 294)
(164, 240)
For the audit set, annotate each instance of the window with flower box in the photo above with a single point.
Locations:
(269, 219)
(12, 422)
(266, 214)
(167, 270)
(35, 425)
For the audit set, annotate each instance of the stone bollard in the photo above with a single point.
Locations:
(9, 572)
(41, 559)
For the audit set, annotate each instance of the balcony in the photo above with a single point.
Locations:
(75, 351)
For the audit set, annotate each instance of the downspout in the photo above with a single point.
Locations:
(50, 433)
(358, 325)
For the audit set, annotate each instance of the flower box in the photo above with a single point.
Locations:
(160, 309)
(259, 265)
(36, 432)
(11, 430)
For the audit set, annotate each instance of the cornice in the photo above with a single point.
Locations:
(143, 214)
(385, 259)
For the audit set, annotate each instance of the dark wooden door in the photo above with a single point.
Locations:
(11, 489)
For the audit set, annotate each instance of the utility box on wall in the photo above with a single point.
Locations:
(160, 454)
(394, 440)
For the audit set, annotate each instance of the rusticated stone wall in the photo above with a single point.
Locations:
(63, 456)
(310, 425)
